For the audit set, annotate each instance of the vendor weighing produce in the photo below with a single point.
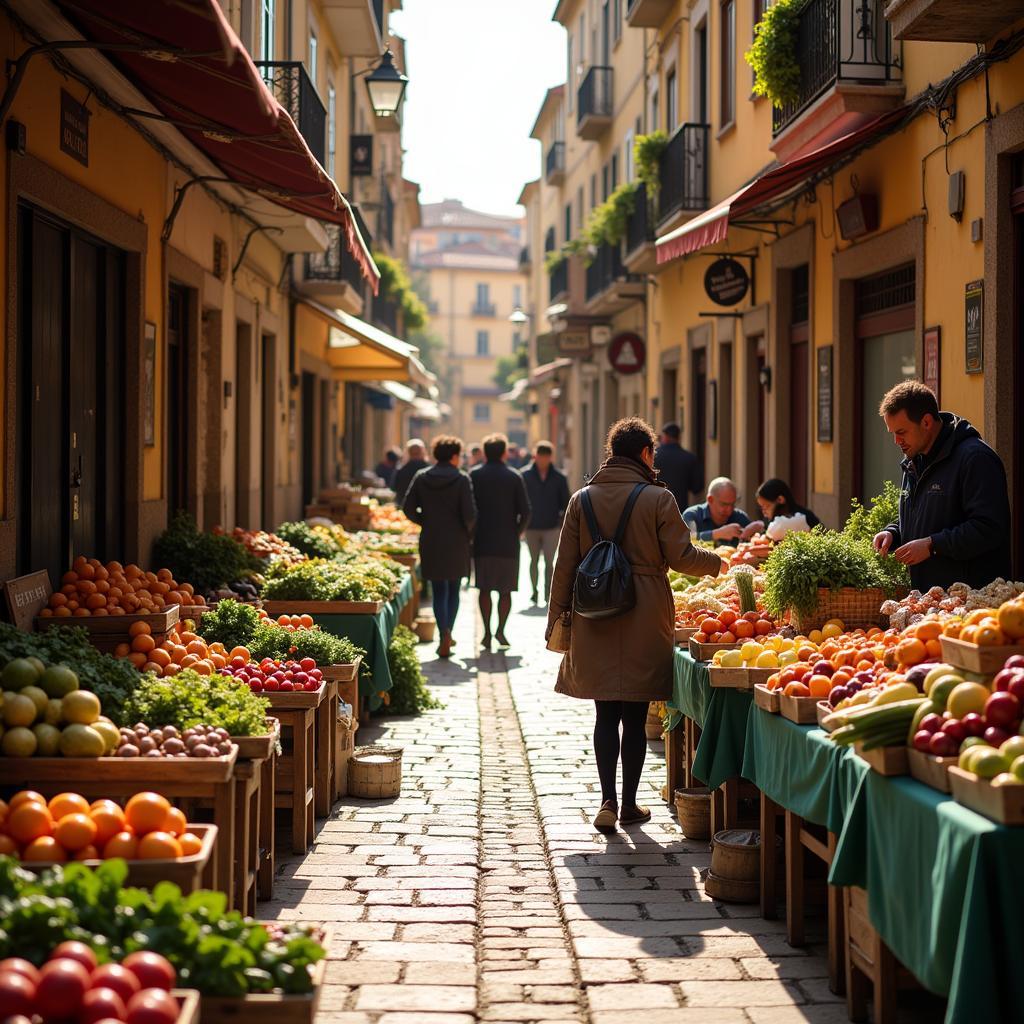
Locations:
(954, 519)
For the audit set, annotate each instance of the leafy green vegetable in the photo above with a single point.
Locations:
(111, 679)
(214, 950)
(230, 623)
(409, 694)
(311, 541)
(865, 521)
(188, 699)
(206, 560)
(320, 580)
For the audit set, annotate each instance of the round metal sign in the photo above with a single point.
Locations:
(627, 353)
(726, 282)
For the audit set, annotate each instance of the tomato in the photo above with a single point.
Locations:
(118, 978)
(75, 951)
(62, 986)
(152, 1006)
(100, 1004)
(151, 969)
(17, 994)
(15, 965)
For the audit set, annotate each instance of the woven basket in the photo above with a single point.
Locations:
(424, 629)
(858, 609)
(375, 773)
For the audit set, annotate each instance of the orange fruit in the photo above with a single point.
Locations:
(819, 687)
(3, 810)
(28, 821)
(44, 848)
(143, 643)
(24, 795)
(86, 853)
(911, 651)
(74, 831)
(136, 628)
(203, 667)
(198, 648)
(108, 819)
(8, 847)
(190, 844)
(158, 846)
(137, 659)
(146, 812)
(124, 844)
(67, 803)
(307, 621)
(175, 822)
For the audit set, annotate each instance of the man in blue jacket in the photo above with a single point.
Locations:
(954, 520)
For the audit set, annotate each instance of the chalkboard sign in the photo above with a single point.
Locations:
(726, 282)
(26, 596)
(825, 393)
(973, 321)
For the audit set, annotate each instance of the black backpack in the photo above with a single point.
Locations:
(604, 580)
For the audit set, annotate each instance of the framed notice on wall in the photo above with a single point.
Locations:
(824, 393)
(974, 316)
(149, 386)
(932, 338)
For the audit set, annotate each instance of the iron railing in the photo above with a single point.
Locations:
(605, 269)
(683, 171)
(483, 309)
(555, 161)
(385, 314)
(524, 256)
(294, 90)
(639, 224)
(595, 94)
(840, 41)
(335, 263)
(559, 280)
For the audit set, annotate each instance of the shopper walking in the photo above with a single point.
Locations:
(415, 460)
(954, 518)
(678, 469)
(623, 663)
(548, 491)
(440, 500)
(504, 511)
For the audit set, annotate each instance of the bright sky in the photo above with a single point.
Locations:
(478, 71)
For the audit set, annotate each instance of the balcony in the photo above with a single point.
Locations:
(483, 309)
(554, 164)
(559, 284)
(648, 13)
(638, 244)
(952, 21)
(609, 287)
(333, 276)
(385, 314)
(294, 90)
(849, 64)
(386, 216)
(595, 103)
(357, 26)
(683, 173)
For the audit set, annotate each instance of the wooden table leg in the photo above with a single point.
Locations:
(674, 760)
(794, 881)
(769, 857)
(265, 875)
(224, 811)
(836, 928)
(310, 792)
(302, 779)
(245, 855)
(326, 750)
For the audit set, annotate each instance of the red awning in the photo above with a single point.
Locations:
(713, 225)
(197, 73)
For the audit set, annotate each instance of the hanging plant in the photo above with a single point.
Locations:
(553, 259)
(396, 287)
(607, 223)
(647, 152)
(773, 55)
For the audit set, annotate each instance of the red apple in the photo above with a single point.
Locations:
(152, 970)
(62, 986)
(955, 729)
(943, 745)
(152, 1006)
(99, 1004)
(116, 977)
(17, 994)
(1002, 710)
(823, 668)
(1016, 686)
(996, 737)
(307, 664)
(973, 723)
(1001, 680)
(1014, 661)
(15, 965)
(932, 723)
(922, 741)
(75, 951)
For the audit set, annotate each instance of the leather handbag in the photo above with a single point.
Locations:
(559, 637)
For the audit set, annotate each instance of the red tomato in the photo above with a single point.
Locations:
(152, 1006)
(17, 994)
(101, 1004)
(15, 965)
(152, 970)
(62, 985)
(75, 951)
(118, 978)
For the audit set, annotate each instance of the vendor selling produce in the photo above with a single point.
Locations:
(718, 519)
(954, 519)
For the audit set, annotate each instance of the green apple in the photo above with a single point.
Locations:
(988, 764)
(935, 674)
(1017, 769)
(1012, 748)
(973, 741)
(1006, 779)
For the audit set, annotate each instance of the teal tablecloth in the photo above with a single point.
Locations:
(721, 714)
(373, 633)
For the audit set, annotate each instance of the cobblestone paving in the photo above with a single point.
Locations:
(484, 894)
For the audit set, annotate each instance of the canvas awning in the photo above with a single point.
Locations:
(548, 370)
(195, 71)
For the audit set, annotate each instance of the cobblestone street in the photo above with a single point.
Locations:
(483, 893)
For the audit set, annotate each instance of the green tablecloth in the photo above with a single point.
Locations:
(373, 633)
(721, 714)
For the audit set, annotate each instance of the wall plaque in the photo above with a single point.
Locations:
(824, 393)
(74, 128)
(973, 320)
(932, 338)
(360, 161)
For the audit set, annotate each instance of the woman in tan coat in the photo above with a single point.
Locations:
(623, 663)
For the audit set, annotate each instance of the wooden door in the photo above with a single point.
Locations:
(309, 438)
(269, 432)
(699, 404)
(799, 419)
(179, 432)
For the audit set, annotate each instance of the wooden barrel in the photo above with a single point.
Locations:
(735, 872)
(693, 809)
(375, 773)
(654, 726)
(424, 629)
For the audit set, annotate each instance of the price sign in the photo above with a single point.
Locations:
(26, 596)
(824, 393)
(973, 323)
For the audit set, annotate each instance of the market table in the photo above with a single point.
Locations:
(373, 633)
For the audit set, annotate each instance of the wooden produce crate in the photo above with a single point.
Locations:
(295, 779)
(178, 779)
(684, 634)
(184, 872)
(1004, 804)
(188, 1001)
(767, 700)
(705, 652)
(823, 710)
(314, 608)
(985, 661)
(884, 760)
(344, 673)
(105, 632)
(739, 678)
(802, 710)
(931, 770)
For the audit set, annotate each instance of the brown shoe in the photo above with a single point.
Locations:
(444, 649)
(604, 820)
(635, 816)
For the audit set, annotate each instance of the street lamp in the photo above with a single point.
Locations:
(518, 317)
(386, 86)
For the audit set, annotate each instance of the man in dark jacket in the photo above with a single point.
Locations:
(677, 468)
(548, 491)
(504, 511)
(954, 521)
(385, 469)
(415, 460)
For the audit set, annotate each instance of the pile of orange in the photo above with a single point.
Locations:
(857, 651)
(68, 827)
(727, 627)
(290, 622)
(92, 588)
(989, 627)
(182, 649)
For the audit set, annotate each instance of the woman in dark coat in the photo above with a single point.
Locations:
(440, 500)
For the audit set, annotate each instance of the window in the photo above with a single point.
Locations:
(700, 73)
(483, 343)
(481, 412)
(517, 296)
(655, 110)
(568, 222)
(728, 64)
(593, 191)
(312, 53)
(627, 152)
(616, 19)
(268, 24)
(332, 113)
(549, 240)
(615, 171)
(483, 296)
(671, 107)
(579, 209)
(605, 172)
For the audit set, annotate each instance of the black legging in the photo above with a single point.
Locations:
(633, 746)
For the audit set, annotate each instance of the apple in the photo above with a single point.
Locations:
(922, 741)
(943, 745)
(973, 723)
(1017, 768)
(823, 668)
(1001, 680)
(116, 977)
(1002, 710)
(1014, 661)
(995, 736)
(151, 969)
(62, 986)
(956, 729)
(308, 664)
(152, 1006)
(1016, 685)
(100, 1004)
(79, 951)
(932, 723)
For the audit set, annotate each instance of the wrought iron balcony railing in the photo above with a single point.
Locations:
(334, 264)
(559, 284)
(595, 96)
(294, 90)
(554, 163)
(605, 269)
(385, 314)
(683, 171)
(639, 224)
(483, 309)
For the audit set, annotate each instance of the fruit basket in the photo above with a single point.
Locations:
(856, 608)
(129, 774)
(884, 760)
(933, 771)
(1004, 804)
(346, 673)
(739, 678)
(766, 699)
(258, 748)
(974, 658)
(802, 710)
(705, 652)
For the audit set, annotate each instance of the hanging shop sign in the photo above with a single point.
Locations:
(932, 337)
(726, 282)
(627, 353)
(824, 393)
(574, 342)
(974, 315)
(360, 160)
(74, 128)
